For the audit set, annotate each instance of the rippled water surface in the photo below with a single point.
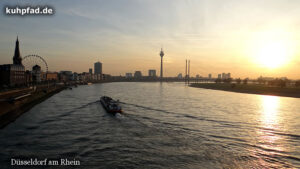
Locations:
(165, 125)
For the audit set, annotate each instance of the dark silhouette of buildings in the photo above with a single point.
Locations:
(128, 75)
(98, 70)
(138, 74)
(152, 73)
(17, 59)
(13, 74)
(36, 74)
(65, 75)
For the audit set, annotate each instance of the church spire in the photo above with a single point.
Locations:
(17, 59)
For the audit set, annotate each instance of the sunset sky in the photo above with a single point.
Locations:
(248, 38)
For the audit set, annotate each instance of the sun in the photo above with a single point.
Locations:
(273, 54)
(271, 49)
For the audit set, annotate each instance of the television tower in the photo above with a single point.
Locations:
(189, 72)
(161, 63)
(185, 78)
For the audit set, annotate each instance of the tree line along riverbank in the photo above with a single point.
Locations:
(251, 89)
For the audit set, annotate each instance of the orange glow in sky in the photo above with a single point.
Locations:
(246, 38)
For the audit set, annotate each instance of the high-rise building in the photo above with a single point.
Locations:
(224, 76)
(36, 74)
(137, 74)
(219, 76)
(228, 75)
(152, 73)
(98, 70)
(90, 70)
(209, 76)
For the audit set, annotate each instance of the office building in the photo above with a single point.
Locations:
(228, 75)
(223, 75)
(98, 70)
(137, 74)
(36, 74)
(128, 75)
(152, 73)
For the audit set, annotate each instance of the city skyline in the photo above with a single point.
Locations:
(216, 36)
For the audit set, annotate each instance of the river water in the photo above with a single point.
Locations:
(166, 125)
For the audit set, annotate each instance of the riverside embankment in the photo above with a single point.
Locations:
(252, 89)
(15, 103)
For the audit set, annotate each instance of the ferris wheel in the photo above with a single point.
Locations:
(30, 61)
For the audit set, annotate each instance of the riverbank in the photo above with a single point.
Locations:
(11, 110)
(251, 89)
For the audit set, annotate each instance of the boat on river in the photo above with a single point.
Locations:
(110, 105)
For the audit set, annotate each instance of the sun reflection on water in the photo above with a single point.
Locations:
(268, 140)
(269, 113)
